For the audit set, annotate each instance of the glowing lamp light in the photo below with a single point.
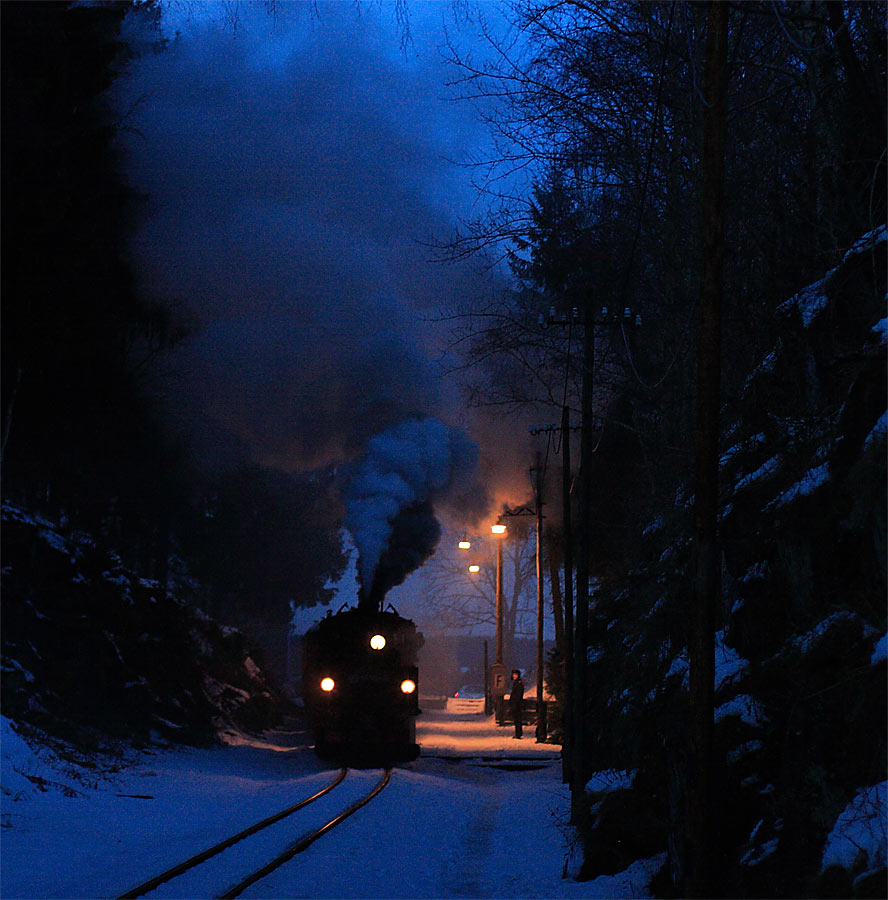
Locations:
(474, 569)
(465, 545)
(327, 684)
(498, 529)
(377, 642)
(408, 686)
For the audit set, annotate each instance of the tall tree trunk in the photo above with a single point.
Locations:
(555, 557)
(701, 649)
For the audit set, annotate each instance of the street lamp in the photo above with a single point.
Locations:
(536, 474)
(498, 669)
(499, 530)
(497, 680)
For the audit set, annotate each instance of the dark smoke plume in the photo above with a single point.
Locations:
(391, 495)
(415, 535)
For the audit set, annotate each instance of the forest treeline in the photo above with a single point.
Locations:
(603, 103)
(595, 191)
(86, 373)
(634, 142)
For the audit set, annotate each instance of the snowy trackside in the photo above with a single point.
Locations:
(481, 826)
(447, 734)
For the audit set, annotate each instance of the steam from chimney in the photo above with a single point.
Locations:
(390, 499)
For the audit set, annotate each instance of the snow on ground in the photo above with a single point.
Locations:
(447, 734)
(479, 814)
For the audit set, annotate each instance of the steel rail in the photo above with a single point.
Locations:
(304, 842)
(210, 852)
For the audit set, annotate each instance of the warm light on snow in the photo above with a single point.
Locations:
(468, 829)
(472, 734)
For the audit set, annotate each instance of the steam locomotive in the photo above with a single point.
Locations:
(361, 685)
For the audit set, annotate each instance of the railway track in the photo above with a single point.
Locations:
(287, 854)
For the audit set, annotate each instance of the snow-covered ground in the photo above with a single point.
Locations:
(478, 815)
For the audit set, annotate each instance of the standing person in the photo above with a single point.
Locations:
(516, 701)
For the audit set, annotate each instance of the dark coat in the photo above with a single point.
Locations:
(516, 698)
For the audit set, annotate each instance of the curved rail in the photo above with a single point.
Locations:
(210, 852)
(305, 842)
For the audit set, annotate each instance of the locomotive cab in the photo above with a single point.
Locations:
(361, 685)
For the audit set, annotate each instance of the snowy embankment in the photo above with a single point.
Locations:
(90, 649)
(800, 647)
(479, 827)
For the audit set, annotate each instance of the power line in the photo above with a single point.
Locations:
(800, 47)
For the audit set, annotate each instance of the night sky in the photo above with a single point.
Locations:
(297, 161)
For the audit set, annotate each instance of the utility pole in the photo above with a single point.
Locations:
(573, 752)
(542, 728)
(701, 644)
(567, 714)
(567, 538)
(583, 551)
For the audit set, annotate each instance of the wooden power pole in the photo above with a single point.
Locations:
(567, 711)
(578, 749)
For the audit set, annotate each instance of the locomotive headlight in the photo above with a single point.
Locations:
(408, 686)
(377, 642)
(327, 684)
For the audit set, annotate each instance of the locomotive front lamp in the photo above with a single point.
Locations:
(474, 569)
(377, 642)
(327, 685)
(408, 686)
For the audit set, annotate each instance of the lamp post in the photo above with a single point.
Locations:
(536, 481)
(495, 681)
(542, 728)
(499, 530)
(498, 669)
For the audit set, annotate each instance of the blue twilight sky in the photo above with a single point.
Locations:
(296, 158)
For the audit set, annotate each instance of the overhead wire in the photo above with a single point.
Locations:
(801, 47)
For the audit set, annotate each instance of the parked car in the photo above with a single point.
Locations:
(468, 699)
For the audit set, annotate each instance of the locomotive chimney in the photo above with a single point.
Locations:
(371, 598)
